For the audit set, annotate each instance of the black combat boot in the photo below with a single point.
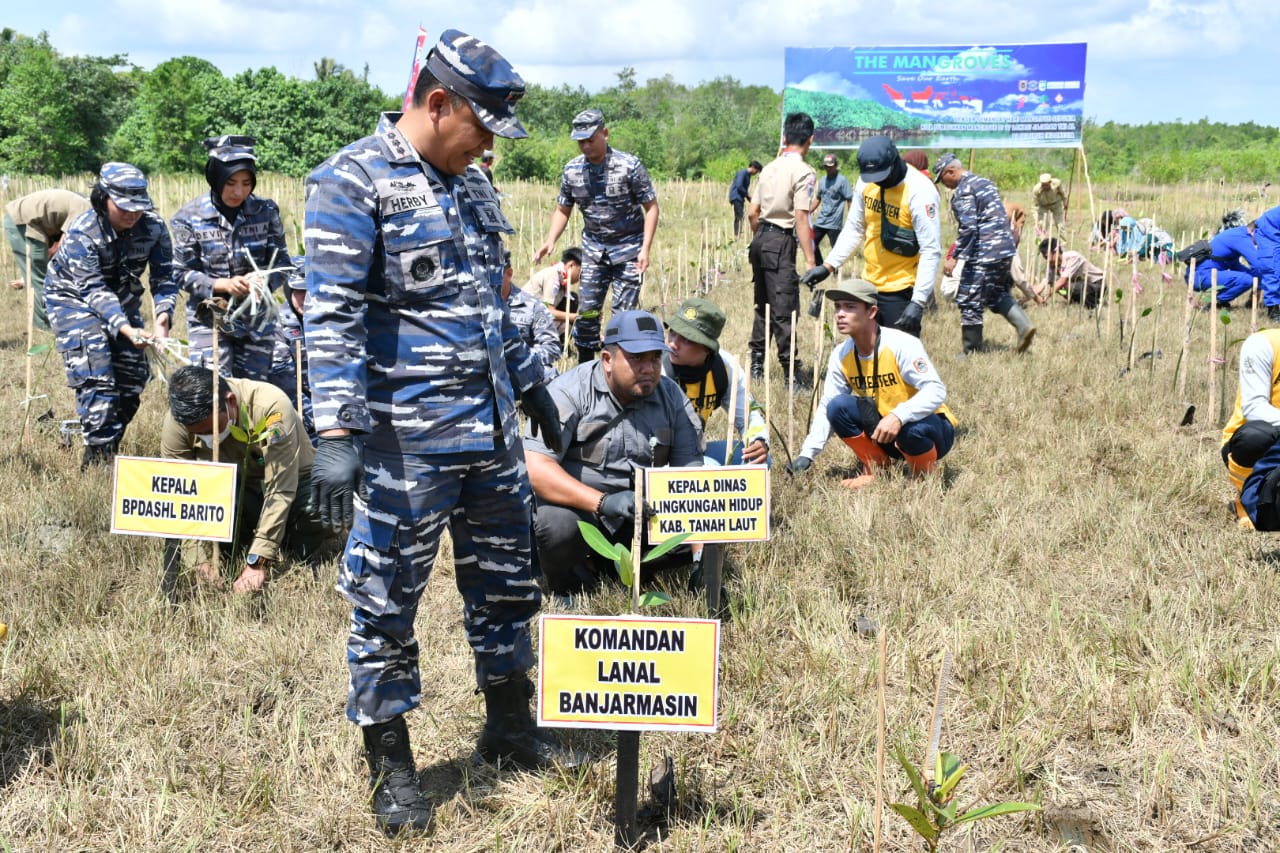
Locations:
(971, 337)
(398, 804)
(510, 735)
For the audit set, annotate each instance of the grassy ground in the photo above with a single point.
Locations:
(1113, 632)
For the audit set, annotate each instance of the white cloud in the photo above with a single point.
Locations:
(831, 81)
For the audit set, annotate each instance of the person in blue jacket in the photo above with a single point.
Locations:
(1233, 255)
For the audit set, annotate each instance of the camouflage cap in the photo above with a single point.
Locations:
(126, 185)
(586, 123)
(944, 161)
(231, 147)
(698, 320)
(472, 69)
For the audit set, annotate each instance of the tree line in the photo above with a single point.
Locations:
(61, 115)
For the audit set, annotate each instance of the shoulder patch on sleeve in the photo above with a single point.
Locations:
(921, 365)
(931, 210)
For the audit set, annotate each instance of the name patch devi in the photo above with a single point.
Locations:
(628, 672)
(728, 504)
(173, 498)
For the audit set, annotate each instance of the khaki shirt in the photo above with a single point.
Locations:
(281, 456)
(785, 186)
(1050, 197)
(546, 285)
(45, 212)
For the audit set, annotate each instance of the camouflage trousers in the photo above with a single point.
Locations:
(485, 500)
(107, 373)
(984, 285)
(238, 357)
(597, 277)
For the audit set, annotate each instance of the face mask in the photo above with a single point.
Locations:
(207, 439)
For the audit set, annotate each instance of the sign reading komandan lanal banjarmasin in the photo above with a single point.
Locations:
(628, 673)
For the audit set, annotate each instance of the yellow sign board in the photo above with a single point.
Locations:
(173, 498)
(714, 504)
(628, 673)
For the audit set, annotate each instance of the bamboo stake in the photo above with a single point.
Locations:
(1183, 361)
(1253, 306)
(636, 541)
(733, 415)
(1133, 310)
(31, 340)
(768, 328)
(217, 431)
(791, 383)
(880, 738)
(1213, 339)
(297, 370)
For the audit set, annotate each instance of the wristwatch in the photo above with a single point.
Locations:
(255, 561)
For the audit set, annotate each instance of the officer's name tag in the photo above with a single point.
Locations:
(173, 498)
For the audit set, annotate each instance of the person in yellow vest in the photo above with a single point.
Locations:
(706, 373)
(895, 221)
(1251, 439)
(882, 395)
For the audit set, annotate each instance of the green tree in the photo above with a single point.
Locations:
(180, 103)
(39, 130)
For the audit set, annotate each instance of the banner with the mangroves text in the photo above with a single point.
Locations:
(173, 498)
(992, 96)
(628, 672)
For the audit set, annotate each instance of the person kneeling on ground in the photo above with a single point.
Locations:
(618, 413)
(882, 395)
(273, 515)
(1251, 439)
(1072, 274)
(696, 362)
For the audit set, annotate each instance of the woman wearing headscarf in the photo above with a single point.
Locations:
(221, 241)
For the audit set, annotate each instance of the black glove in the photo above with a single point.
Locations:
(815, 276)
(335, 475)
(798, 465)
(543, 414)
(909, 320)
(618, 505)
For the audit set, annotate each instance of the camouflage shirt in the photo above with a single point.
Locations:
(207, 247)
(407, 337)
(983, 234)
(97, 269)
(538, 329)
(610, 196)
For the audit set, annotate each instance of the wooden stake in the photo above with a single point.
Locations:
(733, 414)
(768, 327)
(217, 431)
(1133, 310)
(1213, 338)
(31, 342)
(791, 382)
(1253, 306)
(297, 369)
(637, 541)
(877, 817)
(1183, 360)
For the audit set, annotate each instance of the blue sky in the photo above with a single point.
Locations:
(1149, 60)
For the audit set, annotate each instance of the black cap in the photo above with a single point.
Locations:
(876, 158)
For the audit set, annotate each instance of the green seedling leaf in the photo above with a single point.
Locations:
(1147, 310)
(262, 424)
(239, 434)
(914, 775)
(1224, 317)
(996, 810)
(596, 540)
(952, 772)
(1119, 295)
(653, 599)
(39, 348)
(918, 821)
(663, 548)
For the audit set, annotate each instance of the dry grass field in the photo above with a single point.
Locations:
(1113, 631)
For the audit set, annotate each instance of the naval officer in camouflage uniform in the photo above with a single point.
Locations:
(984, 242)
(619, 413)
(218, 240)
(410, 348)
(93, 296)
(619, 218)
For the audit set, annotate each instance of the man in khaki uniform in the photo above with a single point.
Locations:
(553, 285)
(34, 225)
(1051, 202)
(258, 430)
(779, 218)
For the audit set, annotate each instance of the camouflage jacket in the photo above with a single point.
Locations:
(407, 337)
(983, 234)
(101, 271)
(538, 329)
(207, 247)
(610, 196)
